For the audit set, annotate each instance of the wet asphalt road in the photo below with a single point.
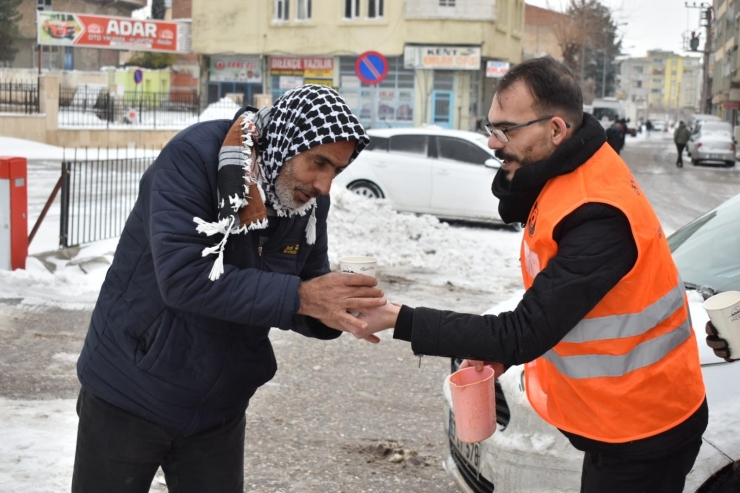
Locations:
(345, 416)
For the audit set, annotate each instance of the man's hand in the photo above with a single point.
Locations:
(718, 344)
(334, 324)
(498, 368)
(332, 296)
(380, 318)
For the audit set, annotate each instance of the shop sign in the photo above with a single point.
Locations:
(442, 57)
(496, 69)
(290, 81)
(235, 69)
(115, 33)
(316, 67)
(731, 105)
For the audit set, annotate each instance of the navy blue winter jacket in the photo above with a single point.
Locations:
(165, 342)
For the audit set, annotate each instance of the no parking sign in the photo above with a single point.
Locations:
(138, 76)
(371, 67)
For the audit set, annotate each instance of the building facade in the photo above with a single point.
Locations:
(724, 60)
(661, 84)
(541, 28)
(66, 57)
(435, 52)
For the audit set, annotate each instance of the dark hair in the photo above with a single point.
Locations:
(553, 87)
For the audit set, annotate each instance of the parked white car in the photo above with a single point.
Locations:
(712, 141)
(526, 454)
(447, 173)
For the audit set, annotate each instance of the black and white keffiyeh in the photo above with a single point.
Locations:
(303, 118)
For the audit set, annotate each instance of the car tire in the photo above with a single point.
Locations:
(730, 164)
(366, 189)
(726, 481)
(695, 162)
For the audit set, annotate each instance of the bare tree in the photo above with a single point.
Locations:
(590, 44)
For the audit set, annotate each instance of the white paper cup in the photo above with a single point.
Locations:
(358, 265)
(724, 311)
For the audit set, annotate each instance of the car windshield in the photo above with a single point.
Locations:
(707, 250)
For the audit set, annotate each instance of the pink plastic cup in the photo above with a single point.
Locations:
(474, 403)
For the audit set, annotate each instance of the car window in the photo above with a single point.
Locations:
(706, 249)
(414, 144)
(460, 150)
(377, 144)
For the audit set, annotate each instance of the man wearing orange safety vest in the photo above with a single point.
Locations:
(603, 327)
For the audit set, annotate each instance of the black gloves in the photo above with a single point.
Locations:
(718, 344)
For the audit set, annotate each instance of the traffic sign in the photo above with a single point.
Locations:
(138, 75)
(371, 67)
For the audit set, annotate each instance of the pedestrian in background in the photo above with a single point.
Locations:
(648, 127)
(603, 327)
(681, 137)
(178, 343)
(615, 136)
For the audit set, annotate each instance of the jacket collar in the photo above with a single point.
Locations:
(516, 197)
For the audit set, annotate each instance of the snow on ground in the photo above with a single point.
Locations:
(37, 440)
(37, 151)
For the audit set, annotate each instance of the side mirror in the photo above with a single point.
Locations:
(492, 163)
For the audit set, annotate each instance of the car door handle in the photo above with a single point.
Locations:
(443, 172)
(381, 165)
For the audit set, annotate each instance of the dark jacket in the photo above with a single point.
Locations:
(595, 250)
(165, 342)
(615, 136)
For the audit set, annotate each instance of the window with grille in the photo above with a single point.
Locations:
(446, 3)
(282, 10)
(303, 10)
(43, 4)
(351, 9)
(374, 9)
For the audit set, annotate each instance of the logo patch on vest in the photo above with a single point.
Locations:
(532, 221)
(292, 249)
(635, 186)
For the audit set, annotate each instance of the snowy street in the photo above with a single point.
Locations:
(335, 411)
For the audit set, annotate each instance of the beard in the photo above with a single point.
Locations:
(287, 186)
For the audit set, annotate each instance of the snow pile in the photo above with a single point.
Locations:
(223, 109)
(37, 445)
(40, 152)
(466, 257)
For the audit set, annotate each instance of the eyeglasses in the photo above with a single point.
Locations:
(501, 133)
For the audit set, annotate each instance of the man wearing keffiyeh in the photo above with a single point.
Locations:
(227, 239)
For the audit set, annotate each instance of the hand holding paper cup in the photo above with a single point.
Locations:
(358, 265)
(724, 312)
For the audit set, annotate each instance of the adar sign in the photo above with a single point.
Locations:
(116, 33)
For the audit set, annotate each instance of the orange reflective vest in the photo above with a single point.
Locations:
(630, 369)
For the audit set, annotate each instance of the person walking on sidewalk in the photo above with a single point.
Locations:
(681, 137)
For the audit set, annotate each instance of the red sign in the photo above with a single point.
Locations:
(731, 105)
(299, 65)
(117, 33)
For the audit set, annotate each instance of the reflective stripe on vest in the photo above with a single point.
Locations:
(628, 325)
(607, 365)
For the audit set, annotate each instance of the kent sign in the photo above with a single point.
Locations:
(115, 33)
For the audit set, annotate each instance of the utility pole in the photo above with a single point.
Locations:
(707, 15)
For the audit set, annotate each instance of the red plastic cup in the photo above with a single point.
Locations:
(474, 403)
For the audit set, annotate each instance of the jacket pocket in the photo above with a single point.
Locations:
(153, 341)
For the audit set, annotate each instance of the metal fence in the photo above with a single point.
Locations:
(93, 105)
(19, 97)
(98, 195)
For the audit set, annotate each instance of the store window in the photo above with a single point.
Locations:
(303, 10)
(282, 10)
(388, 104)
(351, 9)
(374, 9)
